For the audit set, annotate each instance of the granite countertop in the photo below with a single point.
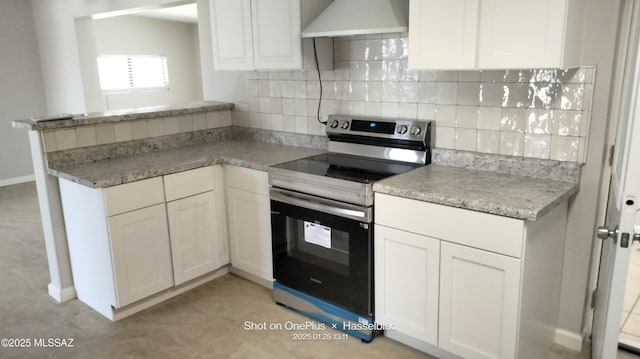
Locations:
(505, 194)
(68, 120)
(111, 172)
(519, 197)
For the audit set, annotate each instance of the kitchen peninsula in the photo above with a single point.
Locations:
(154, 212)
(145, 165)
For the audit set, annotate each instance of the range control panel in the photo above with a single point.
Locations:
(397, 129)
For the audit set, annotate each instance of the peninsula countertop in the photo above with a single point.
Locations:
(245, 153)
(61, 121)
(519, 197)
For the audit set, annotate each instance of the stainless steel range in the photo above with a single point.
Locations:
(322, 217)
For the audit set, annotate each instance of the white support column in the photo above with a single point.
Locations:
(55, 239)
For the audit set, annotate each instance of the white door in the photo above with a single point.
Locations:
(479, 302)
(276, 34)
(443, 34)
(623, 207)
(141, 253)
(249, 216)
(509, 40)
(407, 270)
(194, 229)
(231, 34)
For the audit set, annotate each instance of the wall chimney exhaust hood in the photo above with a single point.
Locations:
(359, 17)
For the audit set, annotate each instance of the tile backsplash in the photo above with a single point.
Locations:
(526, 113)
(109, 133)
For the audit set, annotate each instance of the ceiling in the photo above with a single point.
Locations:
(184, 13)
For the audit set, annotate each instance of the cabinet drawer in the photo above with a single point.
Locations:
(188, 183)
(479, 230)
(247, 179)
(134, 195)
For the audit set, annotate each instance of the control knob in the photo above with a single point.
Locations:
(344, 125)
(415, 131)
(402, 129)
(333, 124)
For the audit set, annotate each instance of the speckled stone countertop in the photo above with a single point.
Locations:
(111, 172)
(506, 190)
(68, 120)
(520, 197)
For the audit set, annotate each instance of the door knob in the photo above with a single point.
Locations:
(603, 232)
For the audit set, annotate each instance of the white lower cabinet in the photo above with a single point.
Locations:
(406, 271)
(197, 222)
(141, 254)
(136, 244)
(249, 223)
(479, 296)
(462, 299)
(198, 241)
(466, 283)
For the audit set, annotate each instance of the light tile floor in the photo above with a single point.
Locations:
(207, 322)
(630, 323)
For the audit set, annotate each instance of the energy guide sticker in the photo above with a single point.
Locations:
(317, 234)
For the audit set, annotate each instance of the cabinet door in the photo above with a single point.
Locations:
(521, 33)
(479, 296)
(249, 218)
(141, 253)
(443, 34)
(231, 34)
(276, 34)
(247, 179)
(196, 236)
(406, 290)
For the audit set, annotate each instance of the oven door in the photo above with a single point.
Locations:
(323, 248)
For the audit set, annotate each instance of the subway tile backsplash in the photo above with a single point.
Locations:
(109, 133)
(527, 113)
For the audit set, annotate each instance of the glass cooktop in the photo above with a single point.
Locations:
(351, 168)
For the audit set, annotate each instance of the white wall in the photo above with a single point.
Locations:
(135, 35)
(56, 32)
(21, 93)
(599, 41)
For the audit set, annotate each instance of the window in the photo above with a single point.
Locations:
(122, 73)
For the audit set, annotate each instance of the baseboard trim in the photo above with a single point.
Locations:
(420, 345)
(62, 295)
(251, 277)
(569, 339)
(16, 180)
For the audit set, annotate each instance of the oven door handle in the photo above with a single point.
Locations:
(345, 210)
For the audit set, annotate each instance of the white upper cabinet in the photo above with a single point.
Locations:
(231, 28)
(276, 34)
(262, 34)
(529, 33)
(495, 34)
(443, 34)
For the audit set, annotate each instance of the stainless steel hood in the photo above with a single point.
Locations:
(359, 17)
